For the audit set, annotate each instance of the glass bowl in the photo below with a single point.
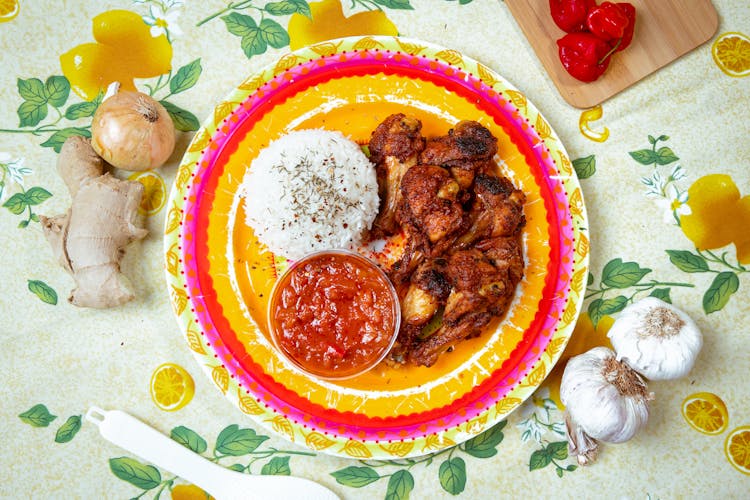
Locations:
(334, 314)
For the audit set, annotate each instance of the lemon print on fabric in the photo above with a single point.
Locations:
(189, 492)
(9, 10)
(154, 193)
(718, 215)
(737, 448)
(124, 50)
(171, 387)
(592, 115)
(327, 21)
(706, 413)
(584, 338)
(731, 53)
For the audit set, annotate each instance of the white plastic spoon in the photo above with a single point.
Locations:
(133, 435)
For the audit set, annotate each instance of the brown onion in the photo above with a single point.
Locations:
(132, 131)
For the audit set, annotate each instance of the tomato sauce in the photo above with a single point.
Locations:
(335, 314)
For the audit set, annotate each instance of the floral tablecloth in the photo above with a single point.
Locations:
(669, 149)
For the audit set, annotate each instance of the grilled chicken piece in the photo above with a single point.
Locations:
(506, 255)
(430, 202)
(484, 280)
(463, 151)
(394, 148)
(497, 210)
(427, 292)
(465, 260)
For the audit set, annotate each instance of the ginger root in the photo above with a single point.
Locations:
(90, 238)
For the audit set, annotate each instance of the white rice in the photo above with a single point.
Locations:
(310, 190)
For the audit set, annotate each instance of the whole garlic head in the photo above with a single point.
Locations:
(603, 397)
(656, 339)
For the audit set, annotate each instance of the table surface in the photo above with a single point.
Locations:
(662, 150)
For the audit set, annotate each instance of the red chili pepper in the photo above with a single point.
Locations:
(608, 21)
(570, 15)
(627, 36)
(584, 55)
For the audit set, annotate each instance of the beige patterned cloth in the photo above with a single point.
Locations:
(669, 137)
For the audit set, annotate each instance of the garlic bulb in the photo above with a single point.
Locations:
(656, 339)
(132, 131)
(604, 400)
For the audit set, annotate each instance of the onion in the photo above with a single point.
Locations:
(132, 131)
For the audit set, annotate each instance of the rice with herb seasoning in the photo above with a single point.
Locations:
(310, 190)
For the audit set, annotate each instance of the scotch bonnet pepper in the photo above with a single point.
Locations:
(584, 56)
(570, 15)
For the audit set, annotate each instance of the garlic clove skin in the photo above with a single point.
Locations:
(604, 397)
(656, 339)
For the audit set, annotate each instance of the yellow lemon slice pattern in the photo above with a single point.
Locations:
(731, 53)
(9, 9)
(154, 194)
(737, 449)
(171, 387)
(706, 413)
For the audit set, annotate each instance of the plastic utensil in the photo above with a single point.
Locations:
(133, 435)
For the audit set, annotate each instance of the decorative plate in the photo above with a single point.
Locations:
(219, 276)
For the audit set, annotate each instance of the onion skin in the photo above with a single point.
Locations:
(132, 131)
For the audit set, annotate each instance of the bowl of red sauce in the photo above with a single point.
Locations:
(334, 314)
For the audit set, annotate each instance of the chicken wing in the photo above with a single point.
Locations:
(394, 148)
(463, 151)
(430, 202)
(477, 285)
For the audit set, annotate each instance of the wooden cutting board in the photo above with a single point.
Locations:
(664, 31)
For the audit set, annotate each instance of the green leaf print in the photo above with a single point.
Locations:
(619, 274)
(57, 139)
(287, 7)
(539, 459)
(237, 442)
(558, 450)
(663, 294)
(644, 156)
(662, 156)
(253, 43)
(56, 90)
(16, 203)
(184, 120)
(277, 466)
(189, 439)
(186, 77)
(688, 261)
(484, 445)
(585, 167)
(31, 113)
(665, 156)
(274, 34)
(614, 305)
(595, 311)
(400, 485)
(145, 477)
(81, 110)
(69, 429)
(721, 289)
(36, 195)
(356, 477)
(37, 416)
(42, 290)
(239, 24)
(395, 4)
(452, 475)
(32, 90)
